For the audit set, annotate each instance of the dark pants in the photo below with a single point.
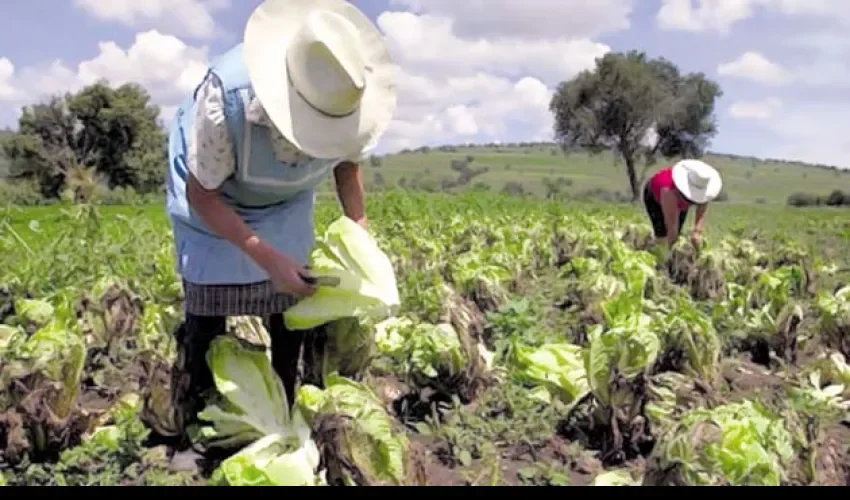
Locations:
(656, 215)
(192, 377)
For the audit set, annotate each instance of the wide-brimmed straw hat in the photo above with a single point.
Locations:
(322, 72)
(697, 181)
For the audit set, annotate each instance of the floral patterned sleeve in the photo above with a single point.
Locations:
(210, 157)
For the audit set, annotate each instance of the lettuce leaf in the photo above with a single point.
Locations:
(369, 443)
(253, 410)
(559, 368)
(274, 460)
(253, 401)
(615, 478)
(36, 312)
(367, 279)
(736, 444)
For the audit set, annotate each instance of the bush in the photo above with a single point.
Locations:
(804, 200)
(837, 199)
(514, 189)
(428, 185)
(458, 165)
(23, 193)
(375, 161)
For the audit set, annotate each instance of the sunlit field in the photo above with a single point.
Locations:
(537, 343)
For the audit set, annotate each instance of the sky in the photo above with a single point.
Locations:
(477, 70)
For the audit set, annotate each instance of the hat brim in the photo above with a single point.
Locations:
(268, 34)
(696, 195)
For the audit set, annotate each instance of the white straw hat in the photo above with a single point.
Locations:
(323, 74)
(698, 181)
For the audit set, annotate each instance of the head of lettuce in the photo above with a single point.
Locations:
(344, 314)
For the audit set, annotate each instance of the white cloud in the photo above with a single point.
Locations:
(820, 71)
(453, 89)
(163, 64)
(428, 43)
(7, 72)
(709, 15)
(720, 15)
(186, 18)
(462, 120)
(754, 66)
(756, 110)
(482, 107)
(528, 19)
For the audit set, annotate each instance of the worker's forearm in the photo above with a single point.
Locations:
(699, 223)
(672, 223)
(352, 196)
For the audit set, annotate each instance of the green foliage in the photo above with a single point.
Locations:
(98, 136)
(626, 100)
(588, 354)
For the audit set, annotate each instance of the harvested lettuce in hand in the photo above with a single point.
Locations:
(367, 293)
(254, 411)
(367, 279)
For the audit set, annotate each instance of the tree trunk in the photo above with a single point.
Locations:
(633, 180)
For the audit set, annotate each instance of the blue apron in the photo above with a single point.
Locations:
(276, 200)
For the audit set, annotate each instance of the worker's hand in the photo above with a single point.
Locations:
(287, 275)
(696, 238)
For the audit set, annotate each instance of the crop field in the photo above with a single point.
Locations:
(536, 343)
(540, 169)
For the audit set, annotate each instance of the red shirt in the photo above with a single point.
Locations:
(664, 179)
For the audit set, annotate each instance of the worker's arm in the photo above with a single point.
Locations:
(699, 223)
(671, 216)
(349, 187)
(210, 163)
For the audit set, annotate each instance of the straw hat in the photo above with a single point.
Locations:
(323, 74)
(697, 181)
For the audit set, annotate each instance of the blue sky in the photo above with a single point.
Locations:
(479, 70)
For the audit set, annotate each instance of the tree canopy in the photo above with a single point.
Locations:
(638, 107)
(111, 134)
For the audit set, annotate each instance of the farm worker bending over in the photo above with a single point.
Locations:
(670, 193)
(308, 91)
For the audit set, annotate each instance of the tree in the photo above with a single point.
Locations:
(637, 107)
(113, 132)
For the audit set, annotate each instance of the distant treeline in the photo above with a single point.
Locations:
(837, 198)
(506, 147)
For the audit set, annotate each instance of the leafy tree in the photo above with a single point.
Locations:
(112, 133)
(637, 107)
